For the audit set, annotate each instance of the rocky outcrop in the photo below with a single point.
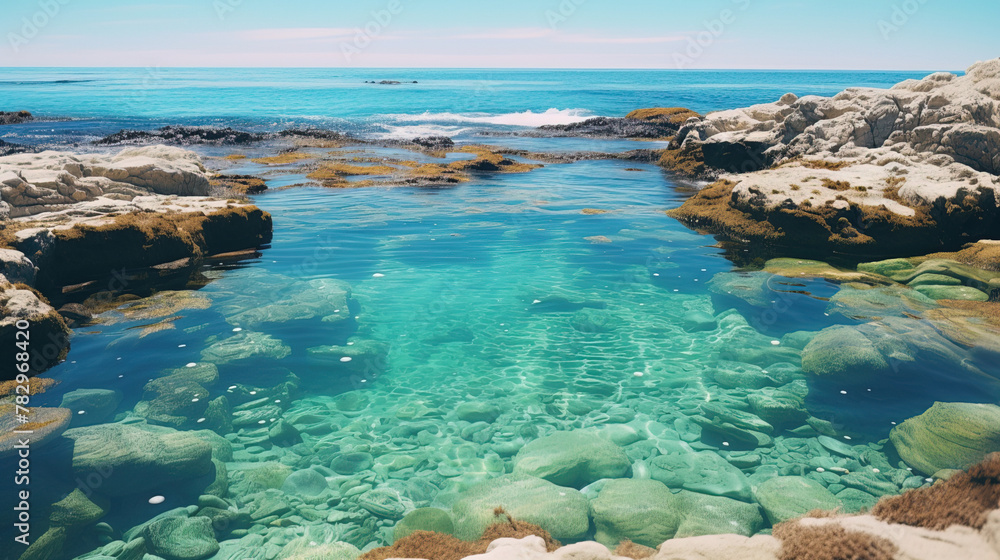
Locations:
(911, 169)
(15, 117)
(182, 135)
(31, 184)
(49, 335)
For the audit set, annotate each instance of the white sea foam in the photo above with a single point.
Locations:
(526, 118)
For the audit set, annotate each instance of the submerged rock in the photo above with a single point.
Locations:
(563, 512)
(787, 497)
(643, 511)
(91, 406)
(948, 436)
(716, 515)
(244, 345)
(45, 423)
(181, 538)
(134, 459)
(574, 458)
(49, 334)
(699, 471)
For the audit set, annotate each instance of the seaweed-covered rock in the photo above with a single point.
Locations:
(575, 458)
(563, 512)
(948, 436)
(643, 511)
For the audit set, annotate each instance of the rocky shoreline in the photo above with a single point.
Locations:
(62, 212)
(898, 172)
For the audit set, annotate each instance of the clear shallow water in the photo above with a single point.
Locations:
(500, 292)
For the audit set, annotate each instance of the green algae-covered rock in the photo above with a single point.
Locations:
(948, 436)
(715, 515)
(787, 497)
(952, 292)
(892, 268)
(843, 351)
(137, 459)
(76, 510)
(563, 512)
(930, 279)
(574, 458)
(644, 511)
(856, 501)
(699, 471)
(181, 538)
(46, 547)
(424, 519)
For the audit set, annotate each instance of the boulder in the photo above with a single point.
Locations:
(306, 482)
(135, 459)
(788, 497)
(563, 512)
(681, 467)
(16, 267)
(91, 406)
(575, 458)
(714, 515)
(948, 436)
(50, 336)
(643, 511)
(181, 538)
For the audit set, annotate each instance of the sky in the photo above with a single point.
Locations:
(669, 34)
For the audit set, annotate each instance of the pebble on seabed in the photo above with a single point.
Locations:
(378, 275)
(157, 500)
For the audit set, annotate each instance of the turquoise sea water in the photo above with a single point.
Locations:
(396, 307)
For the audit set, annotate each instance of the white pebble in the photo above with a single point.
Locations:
(725, 444)
(637, 374)
(237, 329)
(253, 392)
(192, 364)
(157, 500)
(262, 421)
(843, 392)
(231, 387)
(536, 301)
(346, 359)
(194, 400)
(378, 275)
(775, 342)
(847, 437)
(876, 471)
(82, 412)
(200, 420)
(182, 345)
(820, 469)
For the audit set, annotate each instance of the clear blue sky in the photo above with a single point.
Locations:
(787, 34)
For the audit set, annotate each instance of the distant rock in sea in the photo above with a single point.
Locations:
(15, 117)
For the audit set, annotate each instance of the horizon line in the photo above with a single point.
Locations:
(540, 68)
